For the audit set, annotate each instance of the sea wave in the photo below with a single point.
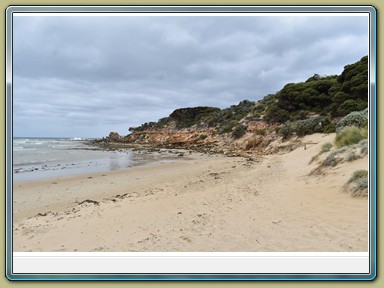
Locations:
(20, 148)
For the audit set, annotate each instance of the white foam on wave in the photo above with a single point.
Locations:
(23, 149)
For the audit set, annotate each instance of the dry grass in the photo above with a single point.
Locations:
(350, 135)
(357, 185)
(339, 155)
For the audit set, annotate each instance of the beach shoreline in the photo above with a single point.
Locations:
(81, 184)
(206, 203)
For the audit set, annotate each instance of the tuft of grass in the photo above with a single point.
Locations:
(326, 147)
(331, 160)
(350, 135)
(360, 189)
(357, 185)
(358, 174)
(362, 184)
(340, 150)
(350, 156)
(363, 144)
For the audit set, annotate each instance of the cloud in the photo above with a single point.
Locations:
(98, 74)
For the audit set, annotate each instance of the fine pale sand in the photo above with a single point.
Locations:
(204, 204)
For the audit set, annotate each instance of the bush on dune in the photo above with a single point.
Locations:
(358, 174)
(350, 156)
(350, 135)
(326, 147)
(285, 130)
(239, 131)
(363, 144)
(357, 185)
(358, 119)
(310, 125)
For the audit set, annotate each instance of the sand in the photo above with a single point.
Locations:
(208, 203)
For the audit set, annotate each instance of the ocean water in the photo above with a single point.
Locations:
(39, 158)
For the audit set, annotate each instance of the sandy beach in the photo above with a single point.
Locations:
(205, 203)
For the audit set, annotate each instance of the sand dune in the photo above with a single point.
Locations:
(206, 203)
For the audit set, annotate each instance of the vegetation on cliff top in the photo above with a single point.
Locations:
(333, 96)
(303, 108)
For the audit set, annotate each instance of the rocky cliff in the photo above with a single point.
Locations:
(262, 127)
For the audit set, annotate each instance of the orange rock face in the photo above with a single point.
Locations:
(167, 136)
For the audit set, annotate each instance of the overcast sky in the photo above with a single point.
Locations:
(87, 76)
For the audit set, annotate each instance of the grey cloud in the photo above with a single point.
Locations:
(100, 74)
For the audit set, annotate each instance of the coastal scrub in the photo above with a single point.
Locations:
(357, 185)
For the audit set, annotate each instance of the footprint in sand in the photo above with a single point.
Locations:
(185, 238)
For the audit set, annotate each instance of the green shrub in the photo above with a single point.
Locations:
(329, 128)
(350, 135)
(187, 117)
(203, 136)
(226, 128)
(358, 119)
(310, 125)
(350, 106)
(239, 131)
(274, 113)
(302, 114)
(286, 130)
(326, 147)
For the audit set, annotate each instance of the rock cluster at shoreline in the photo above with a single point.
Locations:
(211, 142)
